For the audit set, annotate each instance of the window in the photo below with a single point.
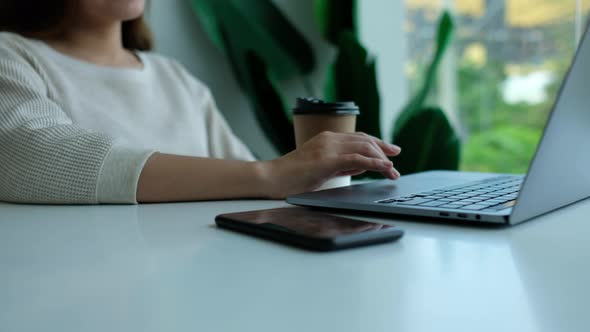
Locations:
(503, 73)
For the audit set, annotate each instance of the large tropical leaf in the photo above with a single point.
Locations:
(269, 106)
(429, 143)
(416, 104)
(335, 17)
(353, 77)
(261, 45)
(259, 27)
(428, 139)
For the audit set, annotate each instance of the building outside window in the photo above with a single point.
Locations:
(502, 75)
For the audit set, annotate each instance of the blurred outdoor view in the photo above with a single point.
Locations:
(501, 78)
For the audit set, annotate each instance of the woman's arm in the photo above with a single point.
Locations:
(44, 157)
(168, 178)
(172, 178)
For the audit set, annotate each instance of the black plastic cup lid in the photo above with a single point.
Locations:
(309, 106)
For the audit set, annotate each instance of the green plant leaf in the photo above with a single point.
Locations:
(269, 106)
(206, 12)
(429, 143)
(256, 26)
(416, 104)
(353, 77)
(428, 139)
(335, 17)
(261, 45)
(267, 103)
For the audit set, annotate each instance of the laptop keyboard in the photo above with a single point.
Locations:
(489, 195)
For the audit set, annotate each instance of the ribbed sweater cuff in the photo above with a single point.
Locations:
(119, 176)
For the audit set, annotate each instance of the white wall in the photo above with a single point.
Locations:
(179, 35)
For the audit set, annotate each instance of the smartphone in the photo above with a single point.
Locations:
(308, 229)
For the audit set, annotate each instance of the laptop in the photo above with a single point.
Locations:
(559, 174)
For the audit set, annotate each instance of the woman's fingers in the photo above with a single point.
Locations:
(394, 174)
(390, 174)
(390, 150)
(356, 153)
(370, 150)
(364, 148)
(360, 162)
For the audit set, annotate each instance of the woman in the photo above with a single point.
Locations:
(87, 117)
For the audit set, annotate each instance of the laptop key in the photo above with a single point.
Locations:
(456, 194)
(415, 201)
(474, 199)
(490, 195)
(497, 199)
(433, 204)
(451, 206)
(466, 202)
(482, 192)
(504, 192)
(454, 197)
(433, 197)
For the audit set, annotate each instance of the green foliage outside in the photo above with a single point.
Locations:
(498, 136)
(506, 149)
(501, 137)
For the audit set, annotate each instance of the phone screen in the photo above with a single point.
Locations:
(305, 222)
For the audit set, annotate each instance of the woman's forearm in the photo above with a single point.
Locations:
(172, 178)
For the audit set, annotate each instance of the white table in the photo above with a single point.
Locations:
(168, 268)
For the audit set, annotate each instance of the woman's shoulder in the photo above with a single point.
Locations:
(18, 54)
(9, 40)
(16, 47)
(166, 66)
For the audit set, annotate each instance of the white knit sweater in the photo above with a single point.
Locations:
(76, 133)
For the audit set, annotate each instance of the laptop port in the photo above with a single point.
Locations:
(462, 215)
(444, 214)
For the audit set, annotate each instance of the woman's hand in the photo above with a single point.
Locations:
(326, 156)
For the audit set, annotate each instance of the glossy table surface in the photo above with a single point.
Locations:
(168, 268)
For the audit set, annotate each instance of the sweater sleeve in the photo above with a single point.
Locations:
(45, 158)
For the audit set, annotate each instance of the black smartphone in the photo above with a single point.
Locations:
(308, 229)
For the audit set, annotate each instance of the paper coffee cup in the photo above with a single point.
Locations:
(312, 117)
